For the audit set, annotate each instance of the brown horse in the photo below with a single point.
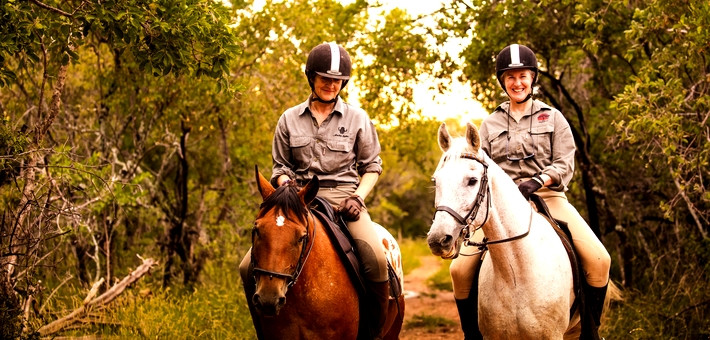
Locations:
(303, 290)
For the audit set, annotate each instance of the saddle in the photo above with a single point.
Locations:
(342, 241)
(337, 230)
(589, 327)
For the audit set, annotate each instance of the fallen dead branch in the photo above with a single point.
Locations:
(92, 303)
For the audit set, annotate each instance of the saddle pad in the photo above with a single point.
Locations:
(342, 241)
(343, 246)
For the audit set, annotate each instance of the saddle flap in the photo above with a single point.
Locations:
(342, 242)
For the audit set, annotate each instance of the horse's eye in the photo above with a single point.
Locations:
(472, 181)
(433, 180)
(302, 239)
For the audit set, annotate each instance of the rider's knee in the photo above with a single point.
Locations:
(374, 262)
(461, 270)
(244, 266)
(597, 271)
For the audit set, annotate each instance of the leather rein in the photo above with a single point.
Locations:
(483, 192)
(302, 258)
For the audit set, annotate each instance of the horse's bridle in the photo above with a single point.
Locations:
(484, 190)
(302, 258)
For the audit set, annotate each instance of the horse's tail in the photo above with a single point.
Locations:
(613, 293)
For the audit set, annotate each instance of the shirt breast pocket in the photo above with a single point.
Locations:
(542, 135)
(498, 141)
(301, 151)
(338, 155)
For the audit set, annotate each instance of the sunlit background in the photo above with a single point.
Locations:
(457, 102)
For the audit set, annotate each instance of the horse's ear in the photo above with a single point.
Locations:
(472, 136)
(444, 138)
(309, 192)
(263, 184)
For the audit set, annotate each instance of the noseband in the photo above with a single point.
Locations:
(302, 258)
(483, 192)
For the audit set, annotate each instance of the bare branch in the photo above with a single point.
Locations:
(100, 301)
(691, 207)
(53, 9)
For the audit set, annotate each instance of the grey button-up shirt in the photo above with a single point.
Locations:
(544, 132)
(343, 148)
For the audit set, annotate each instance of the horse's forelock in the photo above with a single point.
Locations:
(285, 199)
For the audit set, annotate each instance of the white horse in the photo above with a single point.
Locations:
(525, 288)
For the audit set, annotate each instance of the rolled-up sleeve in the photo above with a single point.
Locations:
(281, 152)
(563, 149)
(368, 150)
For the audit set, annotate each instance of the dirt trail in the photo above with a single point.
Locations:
(423, 303)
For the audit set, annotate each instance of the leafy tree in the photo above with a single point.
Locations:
(80, 187)
(631, 78)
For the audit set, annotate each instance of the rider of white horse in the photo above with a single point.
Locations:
(533, 144)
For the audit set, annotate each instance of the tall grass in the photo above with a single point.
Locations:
(213, 309)
(216, 309)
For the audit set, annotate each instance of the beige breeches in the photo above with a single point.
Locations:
(370, 249)
(594, 257)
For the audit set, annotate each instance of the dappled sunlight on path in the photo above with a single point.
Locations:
(430, 314)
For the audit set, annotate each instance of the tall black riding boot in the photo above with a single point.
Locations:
(597, 295)
(468, 313)
(594, 301)
(379, 303)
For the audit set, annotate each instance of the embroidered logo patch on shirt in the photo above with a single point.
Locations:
(342, 130)
(543, 117)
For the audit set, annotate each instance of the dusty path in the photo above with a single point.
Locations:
(429, 314)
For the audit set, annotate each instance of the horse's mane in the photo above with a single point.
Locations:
(285, 199)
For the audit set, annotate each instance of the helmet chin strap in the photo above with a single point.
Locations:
(528, 97)
(318, 99)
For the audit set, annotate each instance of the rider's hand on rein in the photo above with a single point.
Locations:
(530, 186)
(350, 207)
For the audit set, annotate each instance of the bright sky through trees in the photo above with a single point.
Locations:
(458, 102)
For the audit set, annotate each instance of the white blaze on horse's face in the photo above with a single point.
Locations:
(280, 221)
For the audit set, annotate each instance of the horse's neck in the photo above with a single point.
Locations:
(510, 216)
(323, 258)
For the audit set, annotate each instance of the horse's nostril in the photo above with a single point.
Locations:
(440, 240)
(256, 300)
(447, 240)
(282, 301)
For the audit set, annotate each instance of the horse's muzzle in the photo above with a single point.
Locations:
(268, 305)
(443, 244)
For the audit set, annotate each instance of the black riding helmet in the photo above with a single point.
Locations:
(328, 60)
(515, 57)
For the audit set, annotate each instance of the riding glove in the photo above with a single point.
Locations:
(530, 186)
(350, 207)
